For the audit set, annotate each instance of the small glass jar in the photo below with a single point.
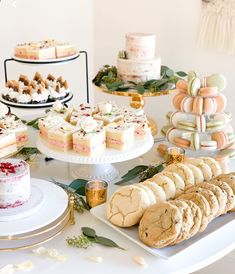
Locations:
(96, 192)
(175, 155)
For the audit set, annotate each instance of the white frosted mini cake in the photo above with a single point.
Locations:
(14, 183)
(140, 63)
(120, 135)
(90, 140)
(108, 113)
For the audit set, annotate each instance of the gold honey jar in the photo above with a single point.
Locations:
(175, 155)
(96, 192)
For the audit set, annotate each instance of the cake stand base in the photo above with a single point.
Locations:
(105, 172)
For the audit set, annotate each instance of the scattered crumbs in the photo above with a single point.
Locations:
(139, 260)
(52, 253)
(95, 259)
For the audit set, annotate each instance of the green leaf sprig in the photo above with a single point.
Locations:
(28, 152)
(77, 189)
(141, 171)
(108, 78)
(89, 237)
(34, 123)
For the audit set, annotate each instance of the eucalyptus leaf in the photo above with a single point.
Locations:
(134, 171)
(181, 73)
(79, 186)
(89, 232)
(125, 180)
(31, 123)
(107, 242)
(169, 72)
(140, 89)
(163, 70)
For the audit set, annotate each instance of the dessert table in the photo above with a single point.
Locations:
(116, 260)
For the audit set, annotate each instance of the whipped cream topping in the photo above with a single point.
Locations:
(58, 106)
(88, 124)
(24, 98)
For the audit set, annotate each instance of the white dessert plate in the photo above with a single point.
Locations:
(217, 229)
(67, 98)
(27, 209)
(108, 156)
(48, 61)
(54, 205)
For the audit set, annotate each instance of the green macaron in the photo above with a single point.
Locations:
(216, 80)
(192, 74)
(193, 86)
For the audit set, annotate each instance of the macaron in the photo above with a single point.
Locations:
(194, 85)
(177, 99)
(208, 91)
(214, 125)
(201, 123)
(171, 134)
(187, 125)
(221, 102)
(182, 85)
(168, 115)
(198, 105)
(192, 74)
(181, 142)
(195, 141)
(209, 105)
(220, 137)
(165, 129)
(187, 104)
(208, 145)
(216, 80)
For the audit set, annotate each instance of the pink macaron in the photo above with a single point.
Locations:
(182, 86)
(197, 105)
(221, 138)
(177, 99)
(187, 104)
(208, 145)
(221, 102)
(181, 142)
(208, 91)
(201, 123)
(209, 105)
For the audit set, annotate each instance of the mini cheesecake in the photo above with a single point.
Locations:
(140, 123)
(83, 110)
(120, 135)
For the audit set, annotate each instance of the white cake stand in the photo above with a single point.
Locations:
(99, 167)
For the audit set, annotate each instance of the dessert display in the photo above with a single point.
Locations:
(199, 122)
(44, 50)
(89, 130)
(138, 62)
(13, 132)
(14, 183)
(185, 196)
(39, 90)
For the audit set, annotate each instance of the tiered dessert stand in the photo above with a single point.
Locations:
(43, 217)
(99, 167)
(46, 62)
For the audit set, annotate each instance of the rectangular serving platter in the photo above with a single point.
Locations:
(215, 229)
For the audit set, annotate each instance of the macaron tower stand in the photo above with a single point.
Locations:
(199, 123)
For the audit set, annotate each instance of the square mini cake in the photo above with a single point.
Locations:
(108, 113)
(120, 135)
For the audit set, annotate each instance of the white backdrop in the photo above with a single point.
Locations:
(175, 24)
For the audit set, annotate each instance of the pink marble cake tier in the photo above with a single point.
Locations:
(14, 183)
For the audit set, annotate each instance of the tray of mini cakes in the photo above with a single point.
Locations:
(94, 135)
(13, 133)
(187, 207)
(32, 210)
(44, 52)
(38, 92)
(200, 123)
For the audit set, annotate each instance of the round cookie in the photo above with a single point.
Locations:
(214, 166)
(127, 205)
(220, 196)
(158, 191)
(149, 192)
(166, 183)
(203, 204)
(197, 173)
(197, 218)
(206, 171)
(160, 225)
(187, 220)
(230, 180)
(177, 180)
(184, 172)
(230, 203)
(210, 197)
